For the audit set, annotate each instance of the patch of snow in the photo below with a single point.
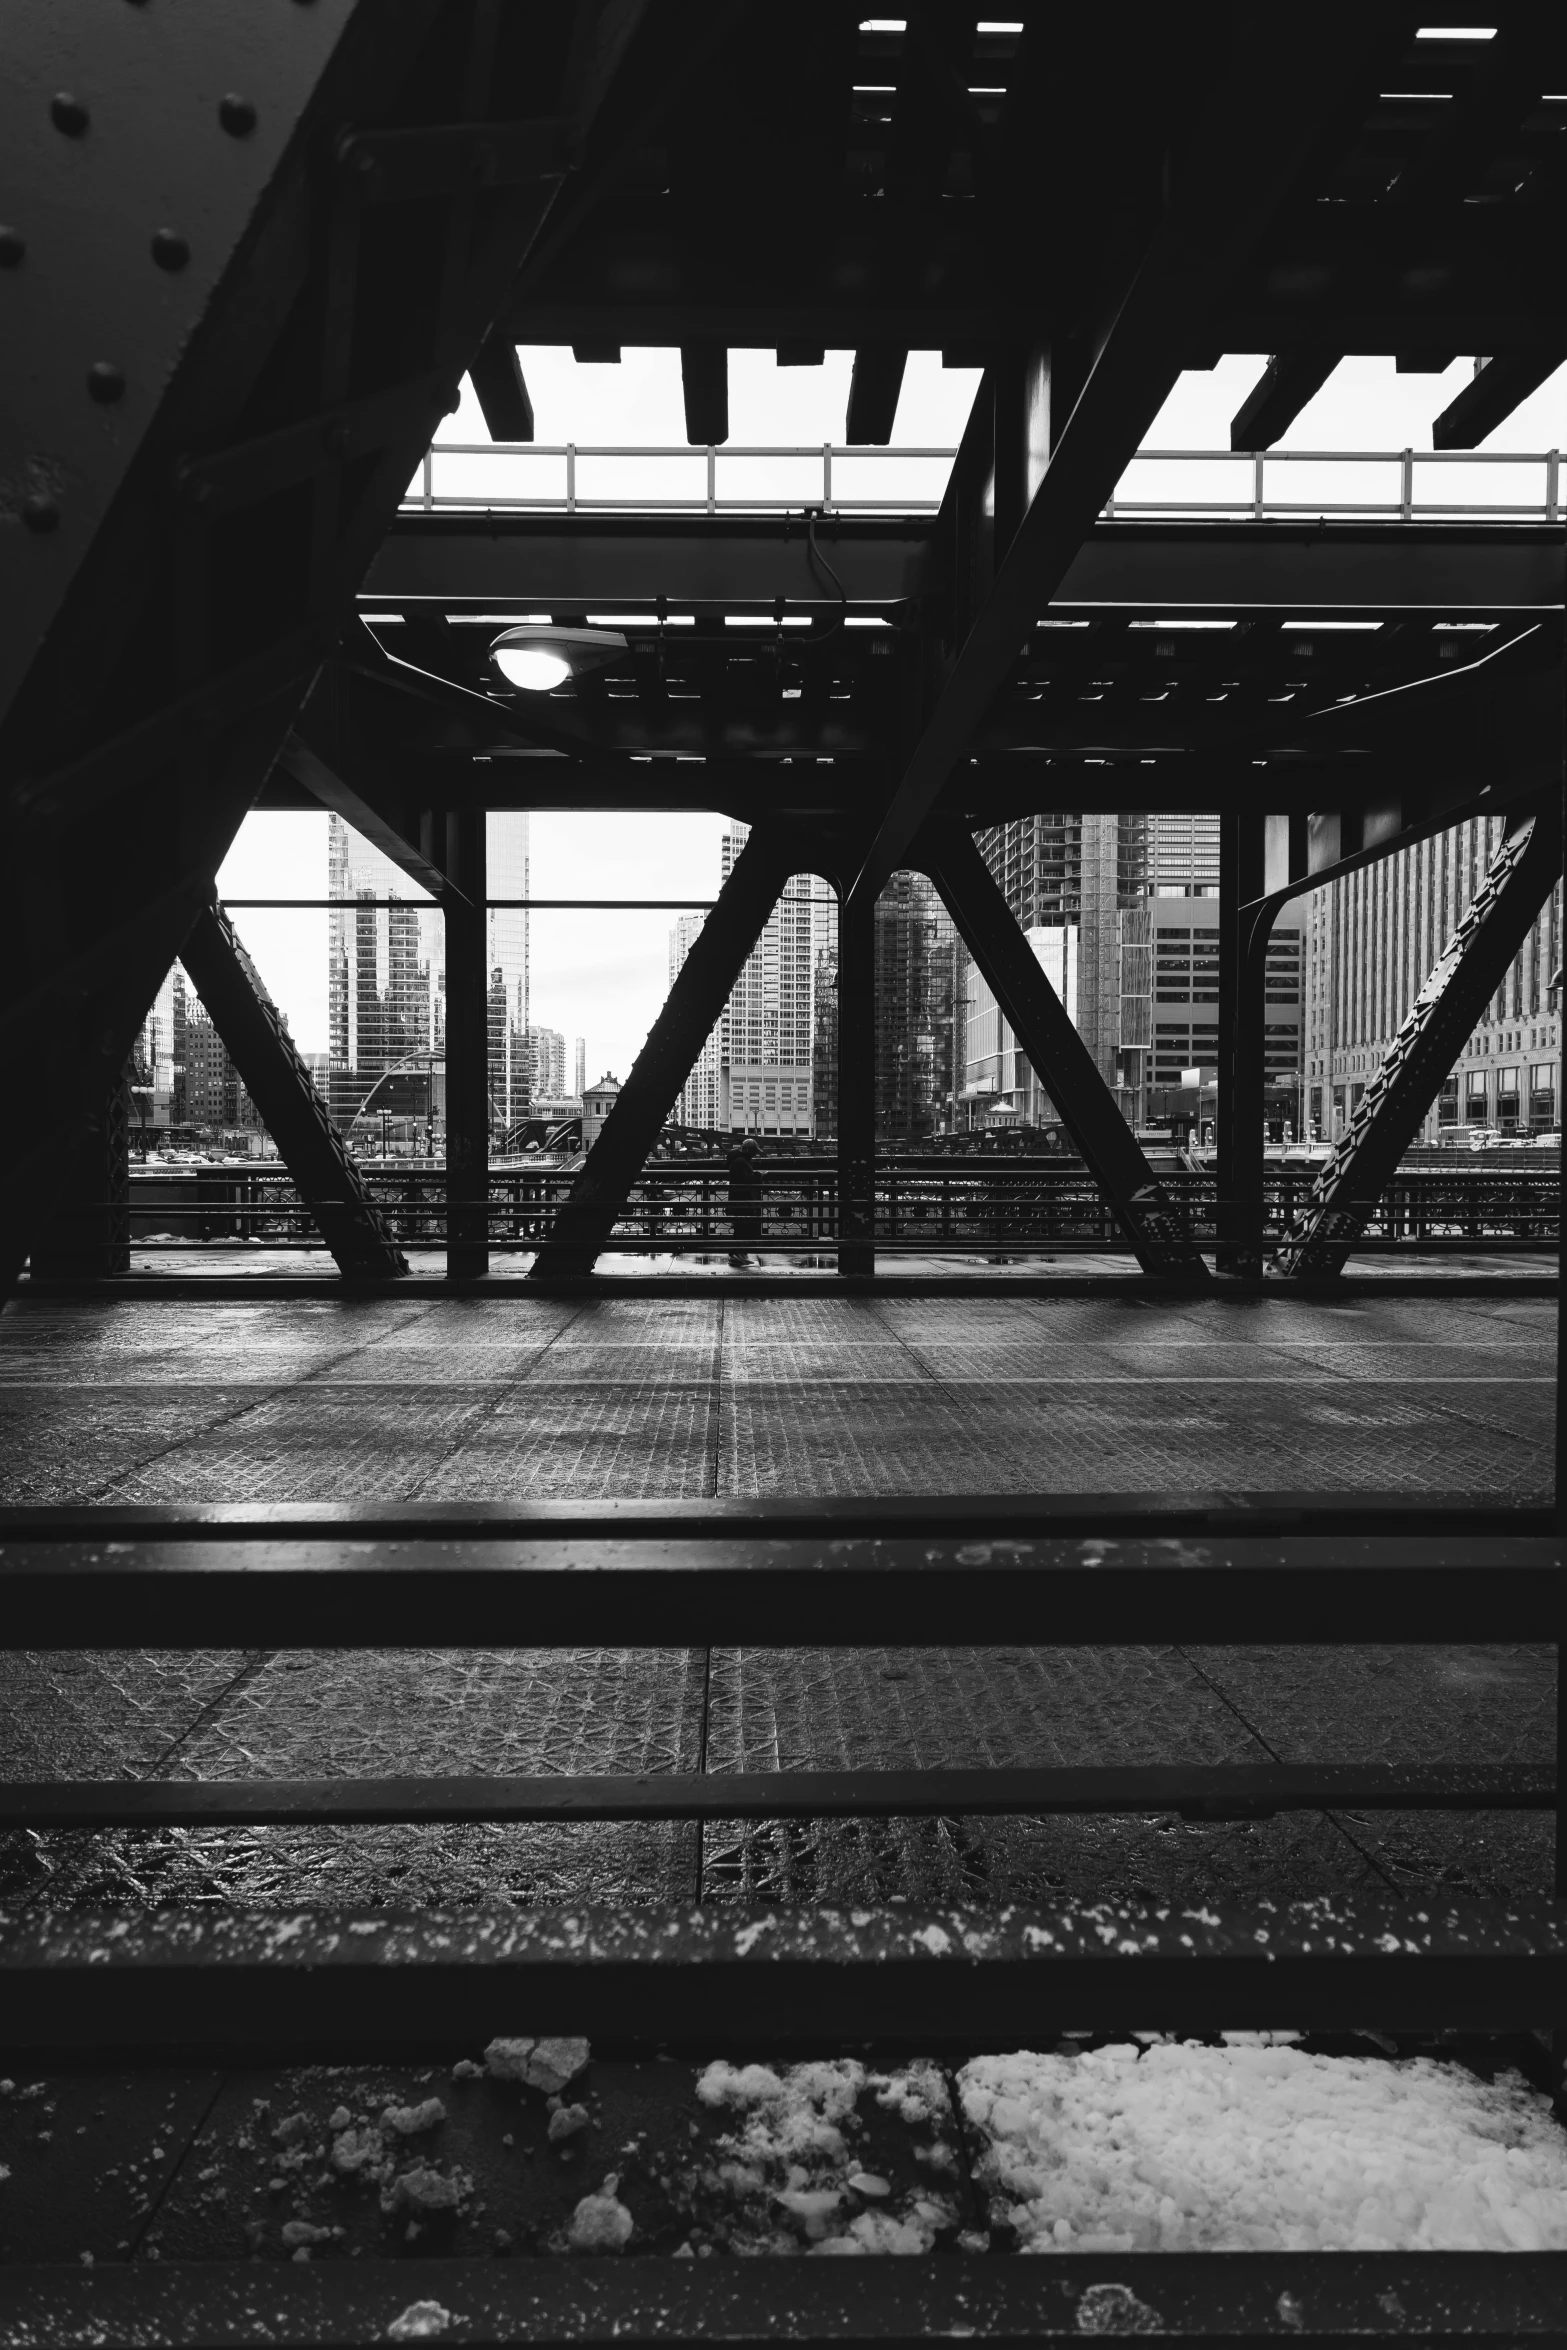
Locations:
(410, 2121)
(354, 2151)
(1115, 2309)
(601, 2222)
(1255, 2147)
(789, 2172)
(425, 2189)
(538, 2064)
(421, 2321)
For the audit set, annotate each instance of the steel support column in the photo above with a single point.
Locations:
(946, 851)
(279, 1084)
(1450, 1004)
(467, 1049)
(694, 1005)
(857, 1083)
(1242, 1040)
(87, 1233)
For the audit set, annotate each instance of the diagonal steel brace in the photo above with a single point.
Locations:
(1387, 1119)
(352, 1225)
(1156, 1228)
(695, 1003)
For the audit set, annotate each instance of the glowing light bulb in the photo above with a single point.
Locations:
(533, 668)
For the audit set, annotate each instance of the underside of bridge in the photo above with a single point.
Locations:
(909, 1651)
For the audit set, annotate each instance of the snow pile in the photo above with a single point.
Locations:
(792, 2172)
(1251, 2147)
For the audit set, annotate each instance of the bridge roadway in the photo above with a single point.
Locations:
(405, 1398)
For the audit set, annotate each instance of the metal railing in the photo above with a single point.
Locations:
(529, 477)
(1047, 1206)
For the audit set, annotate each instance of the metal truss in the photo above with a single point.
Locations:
(1066, 420)
(486, 561)
(1154, 1226)
(279, 1084)
(692, 1010)
(362, 214)
(1523, 872)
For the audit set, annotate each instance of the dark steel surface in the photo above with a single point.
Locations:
(326, 1982)
(527, 562)
(1176, 1513)
(1325, 2297)
(1250, 1791)
(310, 1591)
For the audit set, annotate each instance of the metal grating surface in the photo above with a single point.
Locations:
(321, 1714)
(490, 1398)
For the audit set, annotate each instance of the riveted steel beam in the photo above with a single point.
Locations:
(945, 850)
(279, 1084)
(254, 408)
(1522, 873)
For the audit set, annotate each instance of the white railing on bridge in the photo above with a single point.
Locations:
(525, 477)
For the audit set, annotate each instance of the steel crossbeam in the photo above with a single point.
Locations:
(350, 1218)
(1209, 1791)
(700, 1589)
(321, 1981)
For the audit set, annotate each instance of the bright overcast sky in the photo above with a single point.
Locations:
(604, 976)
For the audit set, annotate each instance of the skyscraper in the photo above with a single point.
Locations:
(1372, 938)
(386, 970)
(506, 851)
(698, 1104)
(755, 1071)
(1067, 878)
(386, 975)
(547, 1063)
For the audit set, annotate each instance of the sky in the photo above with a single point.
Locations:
(604, 976)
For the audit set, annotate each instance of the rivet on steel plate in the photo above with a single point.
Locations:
(69, 115)
(237, 115)
(169, 249)
(13, 248)
(105, 383)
